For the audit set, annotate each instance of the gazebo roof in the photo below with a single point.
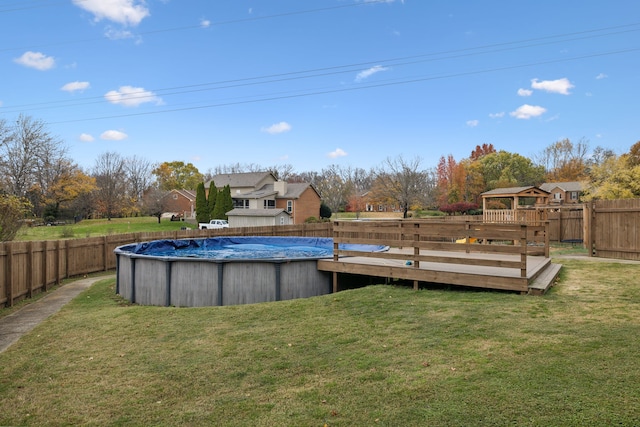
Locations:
(528, 191)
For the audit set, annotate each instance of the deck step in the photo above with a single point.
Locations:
(545, 280)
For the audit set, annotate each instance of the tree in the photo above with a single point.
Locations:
(224, 203)
(617, 177)
(177, 175)
(154, 202)
(504, 169)
(202, 207)
(69, 184)
(334, 186)
(26, 150)
(403, 181)
(12, 211)
(482, 151)
(325, 211)
(109, 173)
(138, 179)
(564, 160)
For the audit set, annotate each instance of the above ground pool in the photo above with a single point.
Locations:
(225, 270)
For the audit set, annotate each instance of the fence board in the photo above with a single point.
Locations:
(614, 229)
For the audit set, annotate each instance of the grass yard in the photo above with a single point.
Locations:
(100, 227)
(380, 355)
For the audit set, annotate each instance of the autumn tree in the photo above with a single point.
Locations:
(481, 150)
(68, 184)
(13, 210)
(177, 175)
(617, 177)
(564, 160)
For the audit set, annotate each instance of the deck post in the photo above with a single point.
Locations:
(523, 250)
(416, 248)
(335, 282)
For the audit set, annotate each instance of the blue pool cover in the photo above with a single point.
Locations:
(230, 248)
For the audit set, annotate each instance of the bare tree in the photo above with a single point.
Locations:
(335, 186)
(109, 172)
(27, 150)
(138, 177)
(403, 181)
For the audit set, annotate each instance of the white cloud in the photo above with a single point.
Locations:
(117, 34)
(524, 92)
(527, 111)
(601, 76)
(276, 128)
(473, 123)
(338, 152)
(130, 96)
(560, 86)
(496, 115)
(75, 86)
(369, 72)
(113, 135)
(125, 12)
(205, 23)
(36, 60)
(85, 137)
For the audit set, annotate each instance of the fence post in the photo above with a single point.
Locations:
(9, 275)
(58, 249)
(29, 269)
(45, 262)
(105, 257)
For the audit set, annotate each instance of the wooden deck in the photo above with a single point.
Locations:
(523, 265)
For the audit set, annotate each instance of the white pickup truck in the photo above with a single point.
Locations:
(213, 224)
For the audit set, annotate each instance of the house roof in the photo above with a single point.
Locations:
(510, 191)
(564, 186)
(294, 191)
(188, 194)
(245, 179)
(256, 212)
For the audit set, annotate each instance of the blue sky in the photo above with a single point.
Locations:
(320, 82)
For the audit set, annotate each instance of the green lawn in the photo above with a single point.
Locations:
(379, 355)
(100, 227)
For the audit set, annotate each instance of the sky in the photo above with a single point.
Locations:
(320, 82)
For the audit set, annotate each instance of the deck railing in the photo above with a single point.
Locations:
(431, 241)
(514, 216)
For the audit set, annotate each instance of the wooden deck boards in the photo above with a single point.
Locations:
(448, 273)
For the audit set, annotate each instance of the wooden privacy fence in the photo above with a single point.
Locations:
(446, 242)
(612, 228)
(27, 268)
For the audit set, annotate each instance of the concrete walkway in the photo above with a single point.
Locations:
(15, 325)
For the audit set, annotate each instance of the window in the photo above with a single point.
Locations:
(241, 203)
(175, 197)
(269, 204)
(289, 206)
(282, 220)
(557, 196)
(574, 195)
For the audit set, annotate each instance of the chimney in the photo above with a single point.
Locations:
(280, 187)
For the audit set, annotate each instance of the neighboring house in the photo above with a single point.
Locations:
(365, 202)
(258, 191)
(564, 193)
(181, 202)
(258, 217)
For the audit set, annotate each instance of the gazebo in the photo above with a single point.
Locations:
(520, 211)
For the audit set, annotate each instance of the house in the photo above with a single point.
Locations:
(563, 193)
(180, 202)
(259, 191)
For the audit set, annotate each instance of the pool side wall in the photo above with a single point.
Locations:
(198, 283)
